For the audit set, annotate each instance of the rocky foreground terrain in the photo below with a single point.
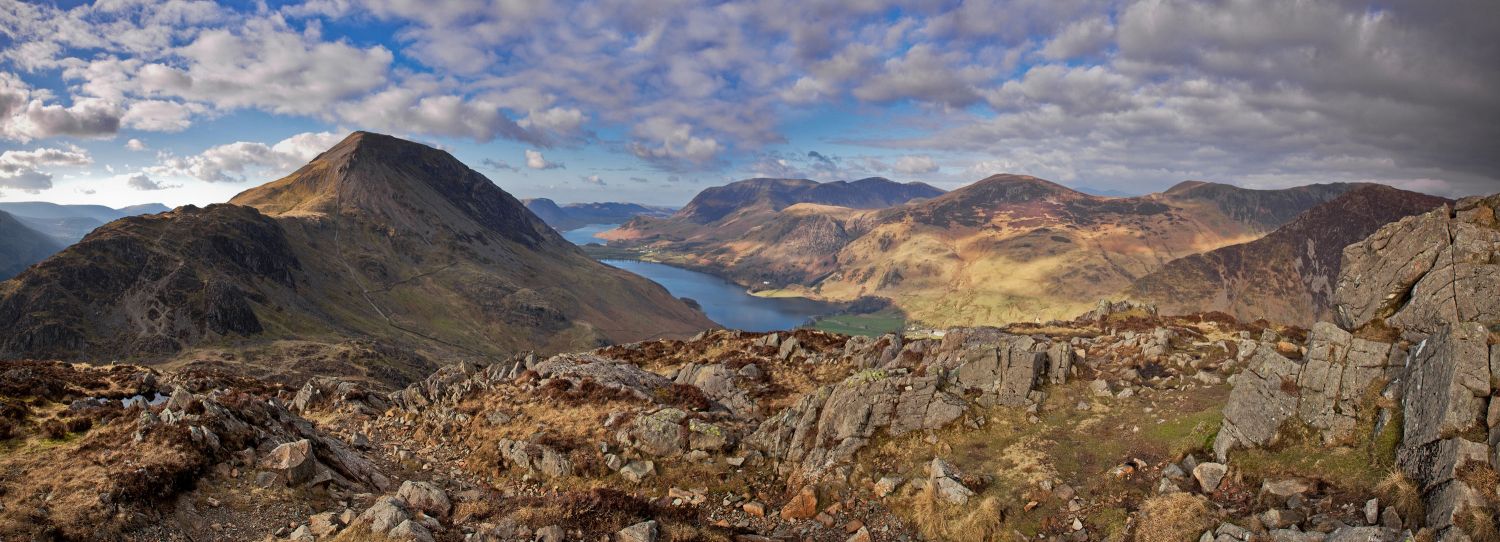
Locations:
(1121, 424)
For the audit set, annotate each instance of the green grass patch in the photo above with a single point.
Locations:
(1186, 432)
(862, 324)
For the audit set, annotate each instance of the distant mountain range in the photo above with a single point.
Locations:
(66, 224)
(377, 239)
(577, 215)
(1003, 249)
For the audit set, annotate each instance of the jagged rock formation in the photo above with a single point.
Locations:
(1424, 286)
(21, 246)
(1332, 389)
(377, 238)
(1288, 276)
(1425, 271)
(924, 391)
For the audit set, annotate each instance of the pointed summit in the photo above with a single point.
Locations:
(401, 185)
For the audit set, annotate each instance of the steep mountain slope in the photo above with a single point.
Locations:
(1003, 249)
(376, 238)
(66, 224)
(1287, 276)
(577, 215)
(714, 204)
(727, 212)
(21, 246)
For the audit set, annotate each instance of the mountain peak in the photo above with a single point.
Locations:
(399, 184)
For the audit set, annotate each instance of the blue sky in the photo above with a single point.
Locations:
(127, 101)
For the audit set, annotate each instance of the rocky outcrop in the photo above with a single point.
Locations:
(1433, 279)
(1330, 389)
(1287, 276)
(1446, 402)
(824, 429)
(1425, 271)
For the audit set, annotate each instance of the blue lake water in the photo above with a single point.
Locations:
(723, 301)
(585, 235)
(726, 302)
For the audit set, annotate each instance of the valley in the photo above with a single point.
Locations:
(386, 346)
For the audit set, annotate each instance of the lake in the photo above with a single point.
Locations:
(585, 235)
(723, 301)
(726, 302)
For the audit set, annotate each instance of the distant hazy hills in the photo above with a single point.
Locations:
(21, 246)
(66, 224)
(1003, 249)
(378, 239)
(577, 215)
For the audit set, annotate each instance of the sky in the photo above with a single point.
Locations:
(120, 102)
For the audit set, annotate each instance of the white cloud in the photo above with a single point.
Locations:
(669, 143)
(535, 160)
(21, 170)
(17, 161)
(30, 181)
(915, 165)
(161, 115)
(25, 114)
(1081, 38)
(593, 179)
(135, 145)
(140, 181)
(234, 162)
(404, 110)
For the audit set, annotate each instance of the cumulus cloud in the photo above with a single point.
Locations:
(535, 160)
(135, 145)
(21, 170)
(232, 162)
(669, 144)
(26, 115)
(16, 161)
(915, 165)
(1112, 92)
(140, 181)
(30, 181)
(593, 179)
(160, 115)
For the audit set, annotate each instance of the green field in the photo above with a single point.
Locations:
(878, 323)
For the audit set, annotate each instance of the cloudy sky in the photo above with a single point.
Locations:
(129, 101)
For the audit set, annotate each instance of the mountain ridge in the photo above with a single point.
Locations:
(1288, 275)
(377, 238)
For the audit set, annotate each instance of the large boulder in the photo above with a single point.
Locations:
(535, 458)
(293, 462)
(661, 433)
(425, 497)
(719, 383)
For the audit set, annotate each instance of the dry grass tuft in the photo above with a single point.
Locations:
(980, 525)
(1479, 523)
(1400, 492)
(1174, 517)
(927, 514)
